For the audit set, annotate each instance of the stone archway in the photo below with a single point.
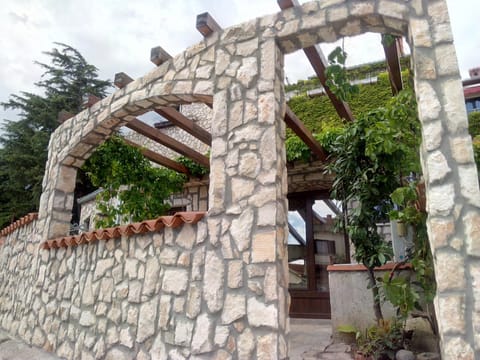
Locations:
(247, 227)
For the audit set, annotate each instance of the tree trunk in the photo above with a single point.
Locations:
(376, 297)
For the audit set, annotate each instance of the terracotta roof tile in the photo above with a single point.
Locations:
(131, 229)
(27, 219)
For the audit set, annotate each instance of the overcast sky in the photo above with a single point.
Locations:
(117, 35)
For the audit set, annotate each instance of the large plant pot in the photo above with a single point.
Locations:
(401, 229)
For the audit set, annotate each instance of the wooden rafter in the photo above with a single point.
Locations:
(319, 64)
(294, 123)
(158, 55)
(159, 159)
(207, 25)
(63, 116)
(171, 114)
(158, 136)
(185, 123)
(393, 64)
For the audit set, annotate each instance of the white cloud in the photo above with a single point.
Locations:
(117, 35)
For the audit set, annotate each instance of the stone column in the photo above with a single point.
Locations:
(453, 198)
(246, 285)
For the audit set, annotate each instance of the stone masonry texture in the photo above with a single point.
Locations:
(186, 293)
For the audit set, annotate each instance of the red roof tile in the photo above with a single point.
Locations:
(136, 228)
(27, 219)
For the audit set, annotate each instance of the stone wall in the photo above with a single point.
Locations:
(139, 297)
(350, 299)
(242, 69)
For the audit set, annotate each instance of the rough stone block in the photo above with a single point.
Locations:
(259, 314)
(264, 247)
(213, 281)
(175, 281)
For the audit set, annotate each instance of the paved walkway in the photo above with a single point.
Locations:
(11, 349)
(310, 339)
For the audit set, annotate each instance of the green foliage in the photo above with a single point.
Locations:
(402, 293)
(23, 151)
(337, 80)
(380, 341)
(476, 151)
(369, 158)
(363, 71)
(474, 123)
(297, 150)
(318, 113)
(134, 190)
(194, 168)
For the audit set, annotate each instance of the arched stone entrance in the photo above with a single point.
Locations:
(242, 68)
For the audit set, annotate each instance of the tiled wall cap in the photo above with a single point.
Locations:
(157, 224)
(27, 219)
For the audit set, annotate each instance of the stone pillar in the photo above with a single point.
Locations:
(56, 201)
(453, 197)
(246, 285)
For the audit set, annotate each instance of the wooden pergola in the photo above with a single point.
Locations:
(207, 25)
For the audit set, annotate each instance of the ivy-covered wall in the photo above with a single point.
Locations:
(317, 113)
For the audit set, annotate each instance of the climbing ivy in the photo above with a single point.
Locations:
(194, 168)
(133, 190)
(317, 113)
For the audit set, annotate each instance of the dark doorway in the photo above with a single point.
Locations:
(313, 244)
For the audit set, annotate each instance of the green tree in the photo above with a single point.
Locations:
(133, 190)
(23, 143)
(474, 130)
(369, 159)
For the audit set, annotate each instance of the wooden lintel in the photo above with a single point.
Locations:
(158, 136)
(294, 123)
(177, 118)
(89, 99)
(319, 64)
(63, 116)
(158, 55)
(207, 25)
(159, 159)
(121, 80)
(393, 65)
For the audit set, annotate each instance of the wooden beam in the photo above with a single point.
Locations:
(207, 25)
(158, 136)
(159, 159)
(185, 123)
(393, 64)
(63, 116)
(175, 117)
(158, 55)
(121, 80)
(89, 99)
(294, 123)
(319, 64)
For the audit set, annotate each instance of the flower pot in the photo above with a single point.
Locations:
(401, 229)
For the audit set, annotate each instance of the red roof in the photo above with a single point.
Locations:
(27, 219)
(157, 224)
(472, 90)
